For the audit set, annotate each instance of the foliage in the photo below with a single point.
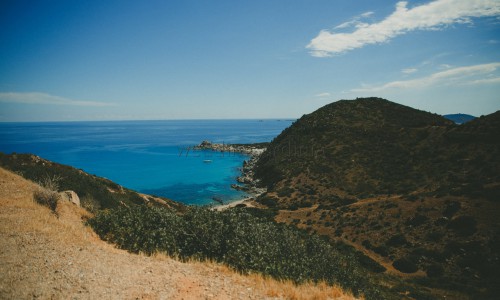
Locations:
(463, 225)
(47, 198)
(372, 146)
(47, 194)
(434, 270)
(240, 239)
(405, 265)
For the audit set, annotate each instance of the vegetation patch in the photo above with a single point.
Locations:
(47, 194)
(242, 240)
(463, 225)
(405, 265)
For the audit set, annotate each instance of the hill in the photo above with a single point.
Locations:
(459, 118)
(54, 256)
(411, 189)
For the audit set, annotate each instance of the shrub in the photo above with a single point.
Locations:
(417, 220)
(451, 209)
(285, 192)
(47, 194)
(463, 225)
(268, 201)
(90, 204)
(434, 270)
(371, 264)
(396, 241)
(47, 198)
(381, 250)
(405, 265)
(243, 241)
(434, 236)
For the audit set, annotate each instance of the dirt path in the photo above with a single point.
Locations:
(43, 256)
(46, 257)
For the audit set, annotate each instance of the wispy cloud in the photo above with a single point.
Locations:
(43, 98)
(356, 21)
(462, 75)
(494, 80)
(323, 95)
(409, 70)
(431, 16)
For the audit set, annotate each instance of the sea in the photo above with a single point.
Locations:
(153, 157)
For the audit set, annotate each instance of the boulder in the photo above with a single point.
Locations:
(71, 197)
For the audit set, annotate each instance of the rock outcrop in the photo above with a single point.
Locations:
(71, 197)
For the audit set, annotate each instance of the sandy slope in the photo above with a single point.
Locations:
(48, 257)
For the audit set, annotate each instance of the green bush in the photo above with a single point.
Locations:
(241, 240)
(268, 201)
(463, 225)
(434, 270)
(397, 240)
(405, 265)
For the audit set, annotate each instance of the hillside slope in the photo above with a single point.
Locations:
(409, 188)
(95, 192)
(375, 147)
(56, 257)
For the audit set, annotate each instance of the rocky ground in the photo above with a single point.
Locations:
(49, 256)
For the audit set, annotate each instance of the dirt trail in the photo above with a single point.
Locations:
(48, 257)
(43, 256)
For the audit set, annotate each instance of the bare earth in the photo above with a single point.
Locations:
(49, 257)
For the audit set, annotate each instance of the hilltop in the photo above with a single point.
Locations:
(375, 147)
(411, 189)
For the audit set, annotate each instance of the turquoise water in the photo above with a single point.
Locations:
(147, 156)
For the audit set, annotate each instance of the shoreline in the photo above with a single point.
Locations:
(246, 201)
(246, 182)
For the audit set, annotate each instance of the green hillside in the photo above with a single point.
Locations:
(411, 189)
(367, 147)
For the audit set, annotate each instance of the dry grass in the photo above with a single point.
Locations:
(309, 291)
(270, 287)
(56, 257)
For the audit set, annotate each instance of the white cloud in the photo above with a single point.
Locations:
(322, 95)
(43, 98)
(409, 71)
(460, 75)
(445, 66)
(495, 80)
(431, 16)
(355, 22)
(366, 14)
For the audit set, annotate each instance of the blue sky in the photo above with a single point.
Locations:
(195, 59)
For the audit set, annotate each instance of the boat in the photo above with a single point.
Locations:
(207, 161)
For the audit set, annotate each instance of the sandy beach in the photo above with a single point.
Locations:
(247, 201)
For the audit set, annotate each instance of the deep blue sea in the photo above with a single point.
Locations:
(146, 156)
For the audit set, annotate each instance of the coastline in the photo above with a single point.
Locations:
(246, 201)
(246, 181)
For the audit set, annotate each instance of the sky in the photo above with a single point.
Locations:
(232, 59)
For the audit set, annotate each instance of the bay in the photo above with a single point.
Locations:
(147, 156)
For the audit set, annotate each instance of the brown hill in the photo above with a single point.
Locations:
(49, 256)
(411, 189)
